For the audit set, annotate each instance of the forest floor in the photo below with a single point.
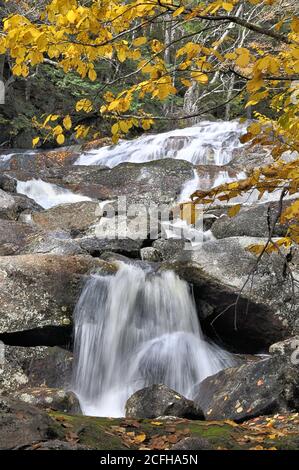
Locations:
(277, 432)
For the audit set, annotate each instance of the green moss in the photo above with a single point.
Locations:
(102, 434)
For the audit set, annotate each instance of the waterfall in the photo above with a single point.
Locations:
(137, 328)
(48, 195)
(207, 143)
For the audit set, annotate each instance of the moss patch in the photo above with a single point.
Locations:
(113, 434)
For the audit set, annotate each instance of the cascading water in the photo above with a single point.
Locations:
(208, 143)
(137, 328)
(48, 195)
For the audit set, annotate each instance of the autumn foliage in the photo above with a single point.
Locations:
(78, 35)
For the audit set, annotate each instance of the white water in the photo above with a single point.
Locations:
(208, 143)
(137, 328)
(48, 195)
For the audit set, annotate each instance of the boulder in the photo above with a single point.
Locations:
(169, 249)
(8, 208)
(75, 218)
(150, 254)
(251, 222)
(45, 289)
(159, 400)
(246, 306)
(288, 348)
(14, 237)
(54, 398)
(8, 184)
(158, 181)
(258, 388)
(56, 243)
(193, 443)
(22, 424)
(12, 205)
(33, 366)
(248, 157)
(124, 246)
(53, 368)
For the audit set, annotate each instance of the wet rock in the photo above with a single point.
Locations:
(251, 221)
(54, 398)
(22, 424)
(259, 388)
(193, 443)
(247, 306)
(159, 400)
(45, 289)
(150, 254)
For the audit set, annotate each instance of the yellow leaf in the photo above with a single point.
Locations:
(67, 122)
(156, 423)
(60, 139)
(92, 75)
(295, 24)
(140, 438)
(186, 82)
(84, 105)
(35, 141)
(234, 210)
(115, 128)
(243, 59)
(139, 41)
(179, 11)
(71, 16)
(227, 6)
(255, 128)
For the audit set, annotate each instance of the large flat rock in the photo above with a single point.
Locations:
(39, 290)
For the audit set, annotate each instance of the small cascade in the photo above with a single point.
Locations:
(207, 143)
(48, 195)
(134, 329)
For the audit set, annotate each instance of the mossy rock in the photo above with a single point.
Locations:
(278, 432)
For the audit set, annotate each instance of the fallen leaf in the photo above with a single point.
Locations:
(140, 438)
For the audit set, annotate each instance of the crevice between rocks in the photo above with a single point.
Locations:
(49, 335)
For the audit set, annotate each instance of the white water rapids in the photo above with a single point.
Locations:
(208, 143)
(48, 195)
(134, 329)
